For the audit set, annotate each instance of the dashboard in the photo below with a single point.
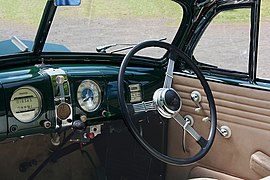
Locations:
(40, 99)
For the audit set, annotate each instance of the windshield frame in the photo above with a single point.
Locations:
(44, 27)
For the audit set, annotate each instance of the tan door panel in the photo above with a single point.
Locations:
(260, 163)
(245, 110)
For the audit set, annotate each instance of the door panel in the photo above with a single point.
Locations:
(245, 110)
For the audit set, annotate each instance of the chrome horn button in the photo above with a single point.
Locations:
(167, 101)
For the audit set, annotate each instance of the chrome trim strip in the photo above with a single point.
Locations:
(58, 80)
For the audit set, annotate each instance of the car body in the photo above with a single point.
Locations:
(177, 92)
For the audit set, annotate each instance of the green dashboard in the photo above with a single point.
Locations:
(41, 99)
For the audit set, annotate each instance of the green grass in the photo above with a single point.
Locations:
(22, 11)
(29, 11)
(243, 15)
(265, 10)
(233, 16)
(127, 9)
(112, 9)
(137, 8)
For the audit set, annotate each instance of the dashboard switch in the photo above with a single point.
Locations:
(89, 135)
(78, 125)
(106, 114)
(83, 118)
(60, 79)
(46, 124)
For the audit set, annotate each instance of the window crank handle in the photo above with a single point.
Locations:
(197, 98)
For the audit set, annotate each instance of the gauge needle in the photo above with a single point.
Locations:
(87, 96)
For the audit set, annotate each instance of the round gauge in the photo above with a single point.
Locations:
(63, 111)
(25, 104)
(89, 95)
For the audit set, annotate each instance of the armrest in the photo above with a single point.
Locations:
(260, 163)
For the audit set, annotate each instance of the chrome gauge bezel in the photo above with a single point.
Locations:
(18, 94)
(96, 90)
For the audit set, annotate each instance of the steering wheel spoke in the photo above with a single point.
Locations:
(169, 72)
(144, 106)
(199, 139)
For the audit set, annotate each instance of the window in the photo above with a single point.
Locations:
(225, 43)
(264, 39)
(19, 20)
(99, 23)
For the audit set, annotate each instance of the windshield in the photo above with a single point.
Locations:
(114, 24)
(19, 21)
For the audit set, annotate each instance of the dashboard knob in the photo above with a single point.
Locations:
(89, 135)
(78, 125)
(106, 114)
(83, 118)
(46, 124)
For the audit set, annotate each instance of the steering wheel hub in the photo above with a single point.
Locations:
(167, 101)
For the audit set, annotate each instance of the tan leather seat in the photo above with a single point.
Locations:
(208, 174)
(202, 179)
(266, 178)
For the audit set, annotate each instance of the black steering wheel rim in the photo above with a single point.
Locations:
(132, 127)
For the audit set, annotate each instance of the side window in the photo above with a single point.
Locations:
(264, 42)
(225, 42)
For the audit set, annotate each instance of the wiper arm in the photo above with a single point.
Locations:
(19, 44)
(102, 49)
(123, 49)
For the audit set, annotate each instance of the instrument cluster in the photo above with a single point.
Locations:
(42, 100)
(26, 101)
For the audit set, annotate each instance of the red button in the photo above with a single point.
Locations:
(90, 135)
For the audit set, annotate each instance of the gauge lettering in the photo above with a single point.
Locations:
(25, 104)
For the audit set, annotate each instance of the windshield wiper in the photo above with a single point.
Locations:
(102, 49)
(19, 44)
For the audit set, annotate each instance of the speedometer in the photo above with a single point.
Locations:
(89, 95)
(25, 104)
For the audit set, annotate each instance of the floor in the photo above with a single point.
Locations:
(20, 159)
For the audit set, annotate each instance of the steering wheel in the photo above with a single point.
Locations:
(167, 102)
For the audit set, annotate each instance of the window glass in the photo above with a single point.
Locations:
(264, 42)
(124, 22)
(19, 21)
(225, 43)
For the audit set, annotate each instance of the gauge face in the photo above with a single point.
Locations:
(25, 104)
(63, 111)
(89, 95)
